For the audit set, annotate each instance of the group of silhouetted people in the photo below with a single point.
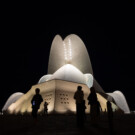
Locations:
(95, 107)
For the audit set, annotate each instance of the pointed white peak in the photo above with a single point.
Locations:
(71, 50)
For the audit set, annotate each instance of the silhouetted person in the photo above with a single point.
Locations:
(83, 111)
(36, 101)
(45, 107)
(94, 106)
(79, 96)
(110, 116)
(99, 109)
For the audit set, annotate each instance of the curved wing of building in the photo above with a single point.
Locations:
(13, 98)
(120, 100)
(44, 78)
(71, 50)
(69, 73)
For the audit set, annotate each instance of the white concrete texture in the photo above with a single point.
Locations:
(72, 51)
(13, 98)
(69, 73)
(120, 100)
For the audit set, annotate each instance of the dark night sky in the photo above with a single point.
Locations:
(108, 35)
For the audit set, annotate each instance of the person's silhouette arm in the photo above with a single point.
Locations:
(100, 107)
(75, 96)
(88, 99)
(41, 99)
(32, 99)
(83, 94)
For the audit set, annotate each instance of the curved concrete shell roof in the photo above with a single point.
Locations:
(69, 73)
(13, 98)
(71, 50)
(44, 78)
(120, 100)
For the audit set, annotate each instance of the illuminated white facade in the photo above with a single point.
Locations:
(69, 73)
(120, 100)
(69, 66)
(59, 94)
(12, 99)
(72, 51)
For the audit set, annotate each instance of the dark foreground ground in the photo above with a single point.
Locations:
(55, 124)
